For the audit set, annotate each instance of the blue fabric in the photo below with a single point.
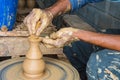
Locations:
(8, 11)
(79, 3)
(79, 53)
(104, 65)
(98, 61)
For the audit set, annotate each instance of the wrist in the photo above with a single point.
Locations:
(77, 34)
(60, 7)
(50, 14)
(82, 34)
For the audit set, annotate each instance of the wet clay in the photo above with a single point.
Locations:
(34, 65)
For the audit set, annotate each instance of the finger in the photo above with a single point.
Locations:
(32, 23)
(59, 33)
(35, 20)
(56, 43)
(25, 20)
(44, 24)
(48, 41)
(56, 35)
(53, 35)
(60, 42)
(28, 24)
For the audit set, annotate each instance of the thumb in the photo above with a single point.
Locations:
(48, 41)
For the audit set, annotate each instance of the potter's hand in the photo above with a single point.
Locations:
(38, 15)
(60, 38)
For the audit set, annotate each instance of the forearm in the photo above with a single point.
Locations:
(61, 6)
(103, 40)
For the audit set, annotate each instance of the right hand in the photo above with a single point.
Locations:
(61, 37)
(38, 15)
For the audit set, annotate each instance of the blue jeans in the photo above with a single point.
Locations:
(104, 65)
(99, 63)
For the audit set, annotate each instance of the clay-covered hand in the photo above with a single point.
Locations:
(38, 15)
(61, 37)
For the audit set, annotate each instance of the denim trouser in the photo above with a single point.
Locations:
(93, 62)
(101, 64)
(104, 65)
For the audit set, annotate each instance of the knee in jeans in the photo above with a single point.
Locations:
(92, 59)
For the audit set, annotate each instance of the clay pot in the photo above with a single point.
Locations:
(34, 65)
(21, 4)
(30, 4)
(33, 68)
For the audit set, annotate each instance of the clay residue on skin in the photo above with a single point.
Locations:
(34, 38)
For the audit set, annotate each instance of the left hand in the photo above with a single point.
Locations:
(37, 15)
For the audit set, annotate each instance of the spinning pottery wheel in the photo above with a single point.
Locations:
(55, 70)
(35, 67)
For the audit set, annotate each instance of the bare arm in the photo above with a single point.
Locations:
(44, 17)
(103, 40)
(61, 6)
